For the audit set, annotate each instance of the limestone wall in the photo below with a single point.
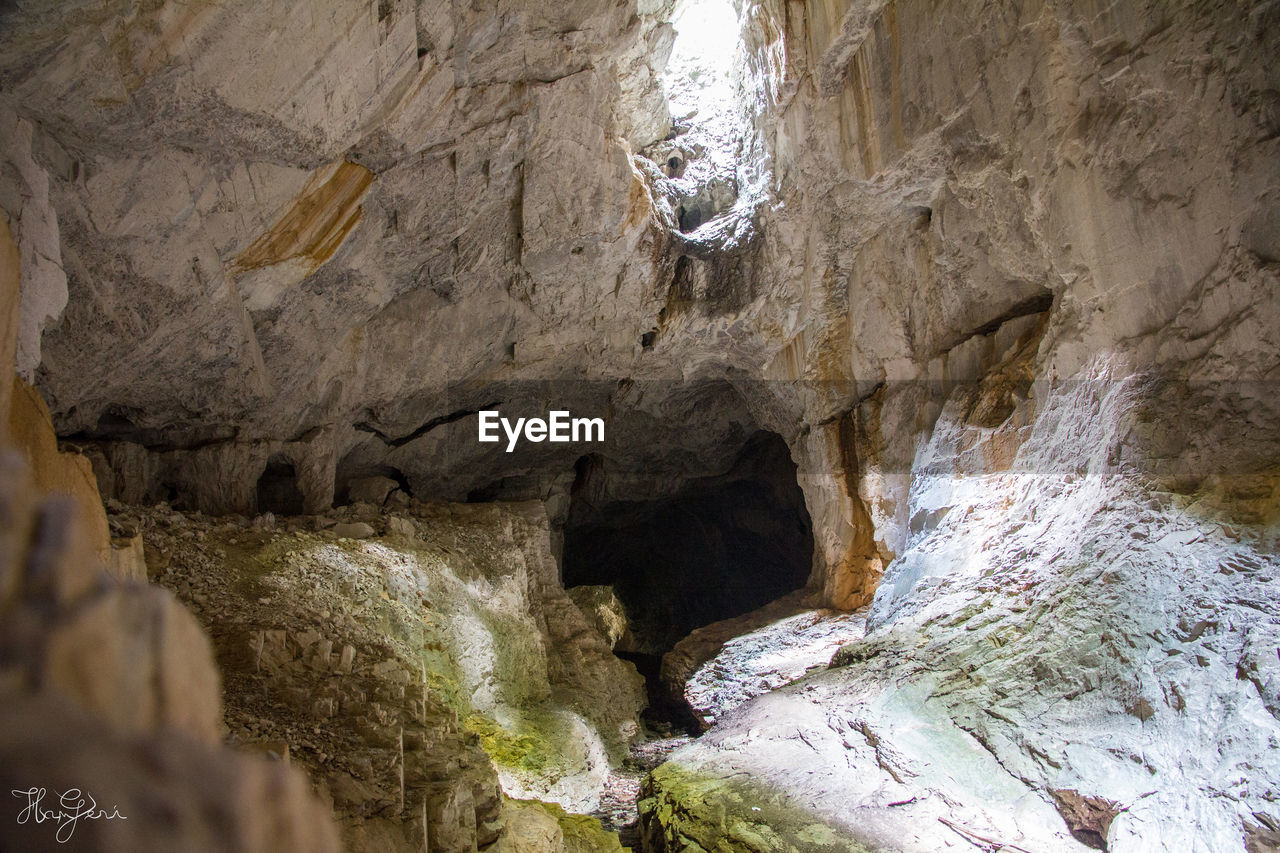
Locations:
(109, 685)
(1061, 162)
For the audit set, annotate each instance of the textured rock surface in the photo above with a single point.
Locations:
(606, 613)
(25, 424)
(1032, 254)
(34, 229)
(535, 827)
(767, 650)
(389, 667)
(111, 689)
(1009, 299)
(705, 643)
(1062, 157)
(1052, 650)
(395, 175)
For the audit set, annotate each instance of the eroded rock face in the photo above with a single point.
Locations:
(395, 668)
(720, 666)
(1064, 645)
(1046, 425)
(1009, 302)
(933, 192)
(350, 199)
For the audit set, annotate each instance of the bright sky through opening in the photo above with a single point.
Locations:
(700, 69)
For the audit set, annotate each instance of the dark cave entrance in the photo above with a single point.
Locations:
(715, 548)
(278, 490)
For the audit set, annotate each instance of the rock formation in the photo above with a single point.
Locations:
(395, 668)
(972, 304)
(108, 688)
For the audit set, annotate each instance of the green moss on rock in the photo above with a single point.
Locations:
(683, 810)
(528, 751)
(579, 833)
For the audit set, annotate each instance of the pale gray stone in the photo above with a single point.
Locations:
(353, 530)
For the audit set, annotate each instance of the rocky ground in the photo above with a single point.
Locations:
(1065, 658)
(617, 810)
(358, 646)
(788, 641)
(400, 669)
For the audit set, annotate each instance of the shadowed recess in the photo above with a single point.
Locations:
(717, 547)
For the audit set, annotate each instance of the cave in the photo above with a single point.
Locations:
(357, 480)
(934, 502)
(716, 547)
(278, 490)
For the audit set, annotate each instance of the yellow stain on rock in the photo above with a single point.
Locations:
(25, 423)
(317, 223)
(639, 200)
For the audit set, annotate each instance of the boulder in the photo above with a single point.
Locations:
(352, 530)
(372, 490)
(605, 611)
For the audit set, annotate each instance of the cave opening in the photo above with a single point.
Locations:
(714, 548)
(278, 490)
(707, 44)
(719, 78)
(350, 472)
